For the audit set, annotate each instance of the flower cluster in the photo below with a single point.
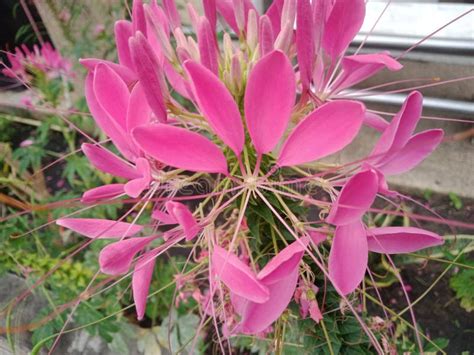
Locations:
(42, 58)
(253, 113)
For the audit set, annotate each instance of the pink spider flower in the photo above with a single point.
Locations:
(245, 101)
(398, 150)
(44, 58)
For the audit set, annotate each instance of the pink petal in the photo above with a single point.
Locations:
(383, 185)
(375, 121)
(356, 68)
(284, 263)
(99, 228)
(180, 148)
(116, 258)
(217, 106)
(172, 13)
(325, 131)
(305, 41)
(237, 276)
(258, 317)
(414, 152)
(163, 217)
(344, 22)
(210, 11)
(123, 31)
(396, 240)
(104, 121)
(355, 198)
(184, 218)
(135, 187)
(321, 11)
(102, 193)
(111, 93)
(226, 9)
(207, 46)
(274, 14)
(138, 17)
(348, 257)
(150, 74)
(176, 80)
(317, 237)
(269, 100)
(141, 280)
(108, 162)
(266, 36)
(138, 112)
(127, 75)
(400, 129)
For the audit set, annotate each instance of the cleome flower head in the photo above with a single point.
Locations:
(256, 114)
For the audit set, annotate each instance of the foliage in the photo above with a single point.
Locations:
(461, 282)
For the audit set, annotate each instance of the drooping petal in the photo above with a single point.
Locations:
(344, 22)
(383, 185)
(355, 198)
(356, 68)
(305, 41)
(269, 100)
(184, 218)
(375, 121)
(284, 263)
(258, 317)
(99, 228)
(207, 46)
(348, 257)
(180, 148)
(325, 131)
(116, 258)
(217, 106)
(102, 193)
(123, 31)
(400, 129)
(397, 240)
(414, 152)
(138, 112)
(111, 93)
(150, 74)
(141, 280)
(108, 162)
(237, 276)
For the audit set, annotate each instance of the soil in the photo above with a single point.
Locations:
(439, 313)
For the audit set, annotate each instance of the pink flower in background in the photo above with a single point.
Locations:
(27, 143)
(99, 29)
(44, 58)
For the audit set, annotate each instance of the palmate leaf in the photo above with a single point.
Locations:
(462, 284)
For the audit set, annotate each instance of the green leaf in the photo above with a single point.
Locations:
(455, 201)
